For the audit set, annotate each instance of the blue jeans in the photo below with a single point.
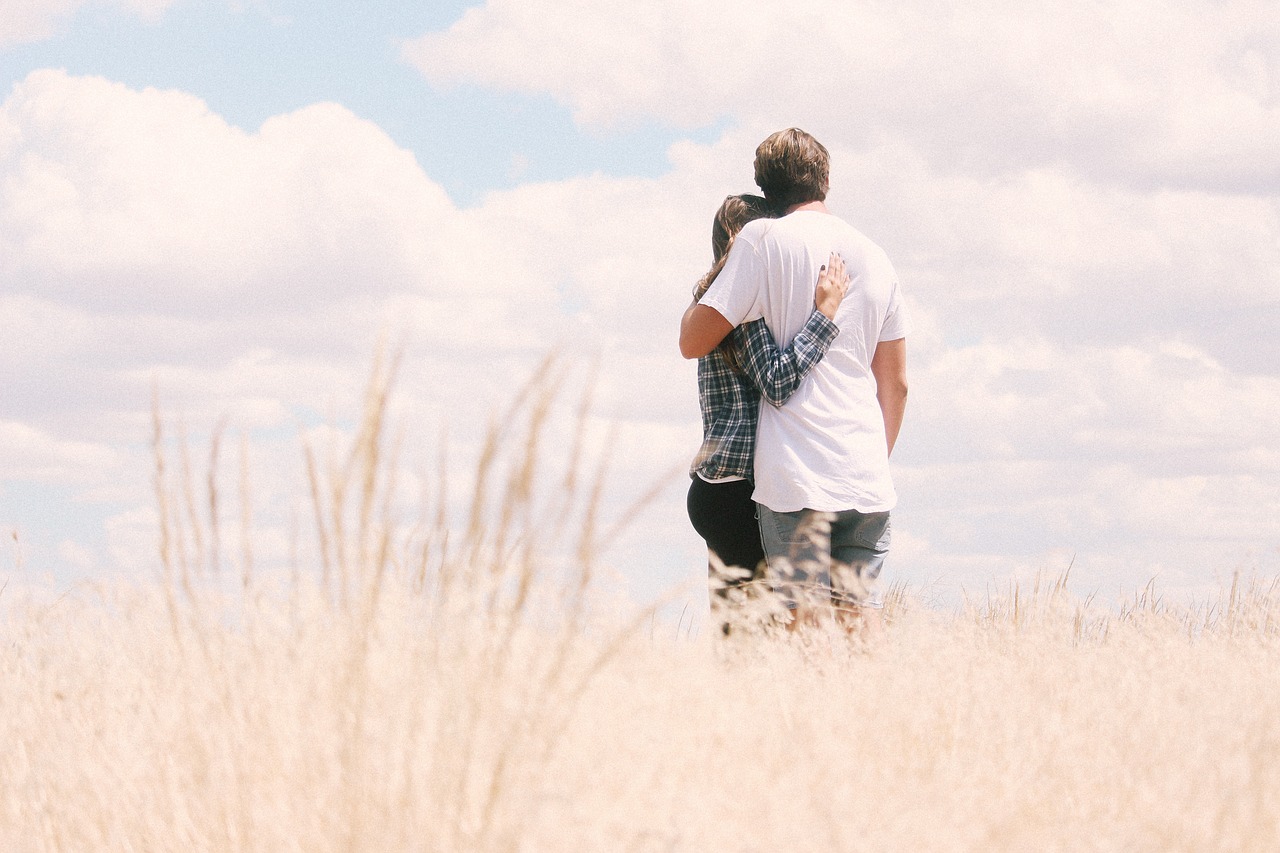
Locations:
(826, 557)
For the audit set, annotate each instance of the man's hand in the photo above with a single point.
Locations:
(701, 330)
(833, 283)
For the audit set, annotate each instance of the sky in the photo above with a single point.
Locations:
(228, 203)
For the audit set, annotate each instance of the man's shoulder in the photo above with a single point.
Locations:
(809, 223)
(814, 232)
(849, 240)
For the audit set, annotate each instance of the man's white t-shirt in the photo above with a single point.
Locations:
(824, 449)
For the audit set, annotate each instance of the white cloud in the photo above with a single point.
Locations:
(123, 198)
(1165, 406)
(1144, 93)
(32, 20)
(27, 453)
(1134, 460)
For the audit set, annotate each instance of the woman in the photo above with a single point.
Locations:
(731, 381)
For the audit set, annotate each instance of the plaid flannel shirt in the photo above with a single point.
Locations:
(730, 401)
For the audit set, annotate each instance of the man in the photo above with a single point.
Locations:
(822, 457)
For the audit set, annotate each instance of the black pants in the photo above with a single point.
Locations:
(725, 516)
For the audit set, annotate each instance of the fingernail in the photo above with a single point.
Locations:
(822, 268)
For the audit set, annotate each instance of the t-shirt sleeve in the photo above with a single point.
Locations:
(895, 319)
(736, 291)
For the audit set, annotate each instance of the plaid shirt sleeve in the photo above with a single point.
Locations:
(777, 373)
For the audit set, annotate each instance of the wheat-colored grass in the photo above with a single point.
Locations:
(421, 690)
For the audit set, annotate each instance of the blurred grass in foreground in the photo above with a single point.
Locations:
(447, 690)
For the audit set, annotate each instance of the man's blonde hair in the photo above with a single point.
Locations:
(792, 168)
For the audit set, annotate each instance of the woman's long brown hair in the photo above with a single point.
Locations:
(735, 212)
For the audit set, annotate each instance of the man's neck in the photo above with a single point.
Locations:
(815, 205)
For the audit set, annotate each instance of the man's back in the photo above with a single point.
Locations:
(825, 448)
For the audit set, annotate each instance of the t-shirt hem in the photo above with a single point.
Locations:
(824, 505)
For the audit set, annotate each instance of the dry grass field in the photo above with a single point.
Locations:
(418, 694)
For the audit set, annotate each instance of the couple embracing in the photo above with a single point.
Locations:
(800, 335)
